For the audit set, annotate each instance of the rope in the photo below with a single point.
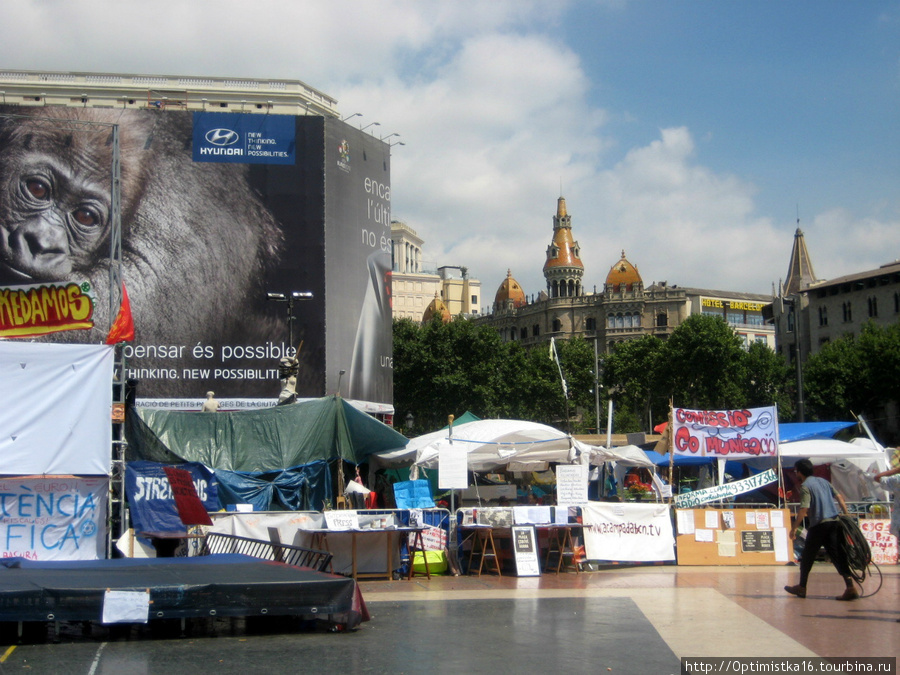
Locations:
(857, 553)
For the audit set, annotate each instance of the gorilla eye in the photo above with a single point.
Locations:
(86, 216)
(38, 188)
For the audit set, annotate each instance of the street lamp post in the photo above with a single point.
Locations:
(290, 299)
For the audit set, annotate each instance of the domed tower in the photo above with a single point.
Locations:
(623, 276)
(510, 294)
(436, 308)
(563, 269)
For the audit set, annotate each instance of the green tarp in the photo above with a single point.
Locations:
(267, 439)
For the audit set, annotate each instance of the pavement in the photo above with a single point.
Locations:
(620, 619)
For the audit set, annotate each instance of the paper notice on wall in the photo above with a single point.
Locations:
(777, 519)
(703, 535)
(126, 606)
(712, 520)
(685, 521)
(762, 520)
(781, 545)
(727, 549)
(750, 517)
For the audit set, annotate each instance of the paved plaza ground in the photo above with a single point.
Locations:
(639, 620)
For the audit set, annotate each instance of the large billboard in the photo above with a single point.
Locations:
(224, 217)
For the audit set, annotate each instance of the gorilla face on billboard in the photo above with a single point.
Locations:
(217, 211)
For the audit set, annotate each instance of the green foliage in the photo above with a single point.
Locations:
(442, 369)
(854, 375)
(703, 364)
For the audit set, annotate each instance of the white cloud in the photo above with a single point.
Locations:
(498, 116)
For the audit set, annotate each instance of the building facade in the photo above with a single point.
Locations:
(625, 309)
(829, 309)
(419, 289)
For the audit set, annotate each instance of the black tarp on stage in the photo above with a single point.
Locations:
(213, 585)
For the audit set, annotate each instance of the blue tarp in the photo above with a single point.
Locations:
(663, 460)
(301, 488)
(798, 431)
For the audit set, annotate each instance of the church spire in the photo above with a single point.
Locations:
(800, 270)
(563, 269)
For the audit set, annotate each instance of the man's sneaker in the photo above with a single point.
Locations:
(848, 594)
(799, 591)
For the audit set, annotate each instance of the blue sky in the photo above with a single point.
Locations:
(688, 133)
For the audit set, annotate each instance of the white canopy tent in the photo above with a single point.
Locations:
(491, 444)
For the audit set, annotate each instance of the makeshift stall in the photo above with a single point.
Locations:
(735, 536)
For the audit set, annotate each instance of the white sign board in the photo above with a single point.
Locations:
(525, 549)
(453, 470)
(571, 483)
(342, 520)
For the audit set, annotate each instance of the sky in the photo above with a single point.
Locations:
(690, 134)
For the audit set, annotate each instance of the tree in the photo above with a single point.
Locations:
(703, 364)
(769, 380)
(631, 375)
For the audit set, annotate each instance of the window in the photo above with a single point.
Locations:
(873, 307)
(823, 316)
(523, 333)
(662, 320)
(557, 325)
(848, 312)
(590, 323)
(535, 330)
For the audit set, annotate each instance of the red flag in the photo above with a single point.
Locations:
(123, 327)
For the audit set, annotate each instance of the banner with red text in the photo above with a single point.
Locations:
(53, 518)
(725, 434)
(628, 532)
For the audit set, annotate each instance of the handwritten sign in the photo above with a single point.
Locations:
(53, 518)
(342, 520)
(727, 434)
(525, 550)
(571, 483)
(882, 542)
(726, 491)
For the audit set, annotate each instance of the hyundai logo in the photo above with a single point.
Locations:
(222, 137)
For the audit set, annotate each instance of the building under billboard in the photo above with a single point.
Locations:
(254, 223)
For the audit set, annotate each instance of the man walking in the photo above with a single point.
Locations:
(817, 497)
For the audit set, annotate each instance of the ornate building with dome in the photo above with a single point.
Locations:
(624, 310)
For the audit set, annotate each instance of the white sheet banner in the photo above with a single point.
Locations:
(55, 408)
(725, 434)
(628, 532)
(61, 518)
(726, 491)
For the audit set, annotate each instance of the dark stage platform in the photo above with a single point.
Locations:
(213, 585)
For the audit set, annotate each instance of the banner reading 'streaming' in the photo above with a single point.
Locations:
(725, 434)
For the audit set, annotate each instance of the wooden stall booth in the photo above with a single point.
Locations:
(733, 536)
